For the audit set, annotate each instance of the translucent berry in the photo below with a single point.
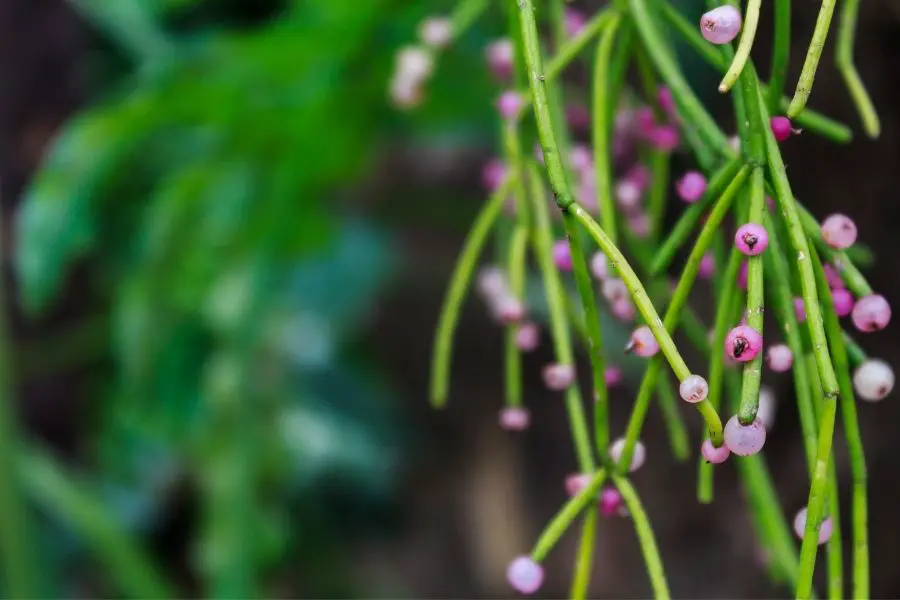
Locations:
(833, 276)
(642, 342)
(826, 527)
(714, 455)
(612, 375)
(628, 195)
(525, 575)
(637, 457)
(514, 418)
(664, 138)
(577, 482)
(839, 231)
(707, 266)
(873, 380)
(871, 313)
(436, 32)
(691, 186)
(599, 266)
(779, 358)
(509, 104)
(500, 55)
(744, 440)
(781, 128)
(558, 377)
(527, 337)
(693, 389)
(751, 239)
(623, 310)
(721, 24)
(800, 309)
(743, 343)
(611, 502)
(843, 302)
(562, 255)
(768, 404)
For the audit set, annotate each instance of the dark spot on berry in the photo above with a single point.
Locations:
(740, 345)
(750, 240)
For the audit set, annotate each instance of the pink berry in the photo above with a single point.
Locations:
(637, 457)
(642, 342)
(599, 266)
(751, 239)
(721, 24)
(527, 337)
(558, 377)
(873, 380)
(574, 22)
(562, 255)
(839, 231)
(691, 186)
(781, 128)
(580, 158)
(707, 266)
(436, 32)
(509, 104)
(743, 343)
(493, 174)
(744, 440)
(693, 389)
(611, 502)
(639, 224)
(640, 176)
(768, 405)
(800, 309)
(645, 122)
(577, 482)
(665, 138)
(714, 455)
(779, 358)
(500, 56)
(628, 195)
(612, 375)
(509, 310)
(742, 275)
(833, 276)
(871, 313)
(491, 283)
(826, 527)
(843, 302)
(666, 100)
(623, 310)
(514, 418)
(615, 290)
(525, 575)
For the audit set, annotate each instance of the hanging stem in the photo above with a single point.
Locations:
(808, 74)
(569, 512)
(844, 61)
(645, 535)
(513, 358)
(781, 51)
(748, 34)
(602, 126)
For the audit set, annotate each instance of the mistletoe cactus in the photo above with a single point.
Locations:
(611, 205)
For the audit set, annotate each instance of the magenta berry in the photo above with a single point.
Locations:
(751, 239)
(707, 266)
(562, 255)
(826, 527)
(691, 186)
(514, 418)
(642, 342)
(744, 440)
(525, 575)
(612, 375)
(637, 457)
(743, 343)
(833, 276)
(645, 122)
(574, 22)
(509, 104)
(664, 138)
(714, 455)
(493, 174)
(666, 100)
(873, 380)
(640, 176)
(871, 313)
(779, 358)
(839, 231)
(721, 24)
(693, 389)
(781, 128)
(558, 377)
(577, 482)
(500, 55)
(843, 302)
(800, 309)
(611, 502)
(527, 337)
(599, 266)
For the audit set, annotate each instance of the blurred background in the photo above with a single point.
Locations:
(225, 254)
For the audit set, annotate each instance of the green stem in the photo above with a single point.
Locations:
(677, 430)
(854, 279)
(584, 563)
(781, 51)
(855, 353)
(748, 34)
(808, 74)
(602, 126)
(466, 13)
(569, 512)
(456, 293)
(645, 534)
(659, 186)
(844, 61)
(513, 358)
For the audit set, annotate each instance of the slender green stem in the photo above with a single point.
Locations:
(678, 435)
(844, 61)
(567, 514)
(781, 50)
(659, 187)
(466, 13)
(748, 34)
(513, 358)
(645, 534)
(855, 353)
(808, 74)
(602, 126)
(835, 543)
(854, 279)
(456, 292)
(584, 562)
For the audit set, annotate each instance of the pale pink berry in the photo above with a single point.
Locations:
(637, 457)
(871, 313)
(514, 418)
(640, 176)
(628, 195)
(735, 143)
(744, 440)
(525, 575)
(768, 405)
(611, 502)
(509, 309)
(707, 266)
(721, 24)
(714, 455)
(558, 377)
(800, 309)
(414, 64)
(562, 255)
(843, 302)
(666, 100)
(500, 56)
(691, 186)
(751, 239)
(665, 138)
(493, 174)
(405, 92)
(693, 389)
(527, 337)
(833, 276)
(873, 380)
(574, 22)
(580, 158)
(509, 104)
(436, 32)
(742, 275)
(781, 128)
(839, 231)
(743, 343)
(577, 482)
(491, 283)
(826, 527)
(642, 342)
(612, 376)
(623, 310)
(779, 358)
(639, 224)
(599, 266)
(615, 290)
